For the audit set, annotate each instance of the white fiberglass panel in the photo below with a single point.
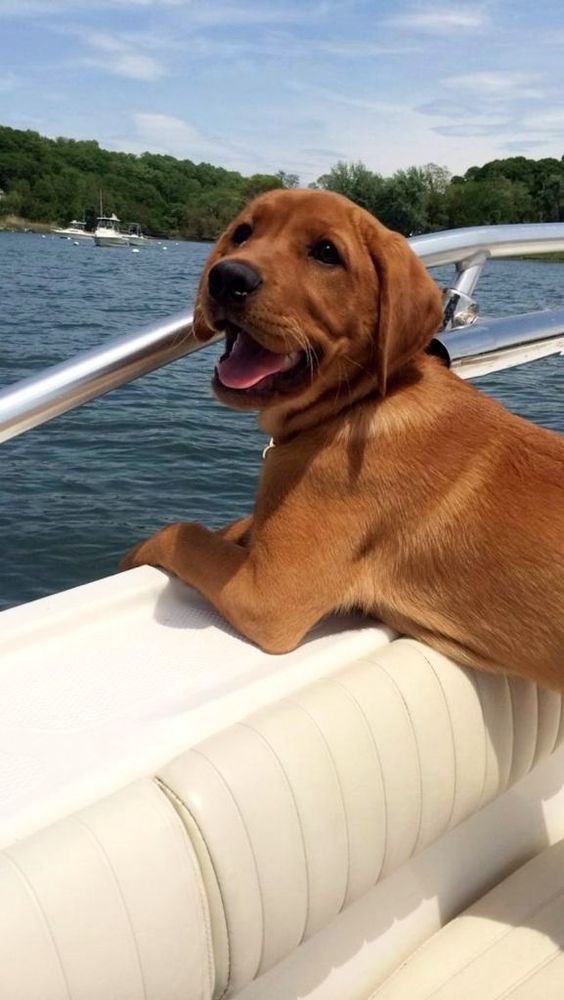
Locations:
(105, 683)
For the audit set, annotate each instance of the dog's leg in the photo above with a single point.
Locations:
(238, 531)
(271, 608)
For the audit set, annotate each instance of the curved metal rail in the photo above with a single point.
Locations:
(92, 373)
(456, 245)
(490, 345)
(474, 350)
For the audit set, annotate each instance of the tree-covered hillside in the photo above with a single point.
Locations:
(55, 180)
(422, 199)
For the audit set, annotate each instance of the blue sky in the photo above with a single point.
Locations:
(258, 87)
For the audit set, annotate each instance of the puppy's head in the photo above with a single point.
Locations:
(315, 297)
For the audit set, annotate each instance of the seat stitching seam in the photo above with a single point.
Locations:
(476, 684)
(523, 979)
(380, 769)
(44, 919)
(451, 728)
(476, 956)
(169, 792)
(332, 760)
(251, 848)
(246, 725)
(417, 754)
(113, 874)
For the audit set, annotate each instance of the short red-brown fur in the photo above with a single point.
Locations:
(394, 487)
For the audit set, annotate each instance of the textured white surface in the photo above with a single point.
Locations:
(107, 904)
(306, 805)
(327, 811)
(509, 944)
(105, 683)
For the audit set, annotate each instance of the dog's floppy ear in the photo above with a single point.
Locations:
(410, 305)
(200, 328)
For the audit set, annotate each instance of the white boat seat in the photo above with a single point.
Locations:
(101, 685)
(304, 806)
(510, 944)
(194, 881)
(108, 904)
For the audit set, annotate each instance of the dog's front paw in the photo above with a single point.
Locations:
(153, 551)
(166, 548)
(139, 555)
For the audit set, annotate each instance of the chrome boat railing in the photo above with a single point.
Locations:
(471, 347)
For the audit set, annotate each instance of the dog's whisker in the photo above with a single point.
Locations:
(299, 336)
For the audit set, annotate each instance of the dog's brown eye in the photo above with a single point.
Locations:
(326, 252)
(242, 233)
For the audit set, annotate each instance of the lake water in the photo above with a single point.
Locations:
(79, 491)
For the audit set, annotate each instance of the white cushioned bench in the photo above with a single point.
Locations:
(305, 806)
(303, 850)
(509, 944)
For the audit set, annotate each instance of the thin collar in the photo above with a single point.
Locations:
(271, 444)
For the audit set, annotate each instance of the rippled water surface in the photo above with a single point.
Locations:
(77, 492)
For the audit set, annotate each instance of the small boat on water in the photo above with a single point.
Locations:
(184, 817)
(108, 233)
(135, 236)
(74, 231)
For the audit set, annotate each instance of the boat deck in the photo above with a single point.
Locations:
(105, 683)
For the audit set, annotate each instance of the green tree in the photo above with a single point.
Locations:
(357, 182)
(54, 180)
(288, 180)
(259, 183)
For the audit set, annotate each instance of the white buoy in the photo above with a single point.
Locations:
(76, 243)
(135, 250)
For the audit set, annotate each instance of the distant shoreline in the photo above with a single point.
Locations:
(558, 257)
(16, 224)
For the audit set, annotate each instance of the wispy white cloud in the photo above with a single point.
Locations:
(113, 54)
(8, 82)
(487, 103)
(159, 132)
(50, 8)
(228, 14)
(217, 14)
(289, 84)
(440, 20)
(498, 84)
(166, 133)
(547, 120)
(357, 49)
(374, 105)
(275, 44)
(521, 146)
(471, 129)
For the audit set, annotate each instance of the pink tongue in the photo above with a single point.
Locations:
(249, 363)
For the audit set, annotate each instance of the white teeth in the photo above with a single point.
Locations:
(290, 360)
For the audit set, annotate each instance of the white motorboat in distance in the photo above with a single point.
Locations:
(135, 236)
(74, 231)
(108, 234)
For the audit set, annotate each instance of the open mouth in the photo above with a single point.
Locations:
(247, 365)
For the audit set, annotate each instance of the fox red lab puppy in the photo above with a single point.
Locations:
(393, 486)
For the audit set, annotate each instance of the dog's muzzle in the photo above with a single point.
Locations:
(230, 282)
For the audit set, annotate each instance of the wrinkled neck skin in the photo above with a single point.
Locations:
(347, 404)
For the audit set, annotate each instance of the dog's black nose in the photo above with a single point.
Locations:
(230, 281)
